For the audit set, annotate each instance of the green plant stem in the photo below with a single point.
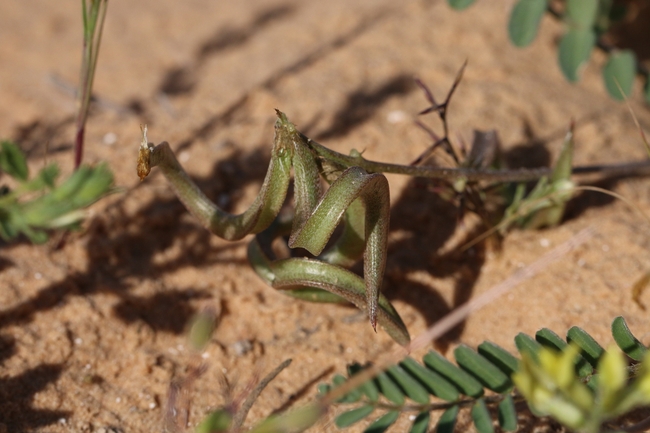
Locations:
(341, 161)
(93, 15)
(430, 407)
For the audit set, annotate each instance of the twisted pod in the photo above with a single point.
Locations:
(359, 198)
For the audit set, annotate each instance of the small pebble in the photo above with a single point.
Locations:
(109, 138)
(242, 347)
(396, 116)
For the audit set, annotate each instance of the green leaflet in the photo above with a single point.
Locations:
(507, 414)
(421, 423)
(524, 21)
(447, 421)
(351, 397)
(481, 417)
(383, 423)
(350, 417)
(435, 383)
(627, 341)
(201, 328)
(619, 73)
(12, 161)
(548, 338)
(460, 4)
(390, 389)
(482, 369)
(298, 420)
(465, 383)
(574, 50)
(499, 357)
(526, 344)
(408, 384)
(369, 388)
(581, 14)
(590, 349)
(217, 421)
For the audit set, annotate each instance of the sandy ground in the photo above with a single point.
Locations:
(92, 333)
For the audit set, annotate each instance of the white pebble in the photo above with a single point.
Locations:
(396, 116)
(109, 138)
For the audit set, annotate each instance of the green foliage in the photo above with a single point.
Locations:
(460, 4)
(201, 329)
(574, 51)
(353, 416)
(447, 420)
(294, 421)
(545, 204)
(581, 14)
(524, 21)
(618, 74)
(555, 376)
(218, 421)
(12, 161)
(627, 341)
(552, 387)
(585, 22)
(38, 205)
(507, 414)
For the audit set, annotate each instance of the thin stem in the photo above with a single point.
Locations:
(430, 407)
(93, 14)
(240, 416)
(471, 174)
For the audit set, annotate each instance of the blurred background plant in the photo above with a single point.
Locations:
(588, 25)
(574, 380)
(33, 206)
